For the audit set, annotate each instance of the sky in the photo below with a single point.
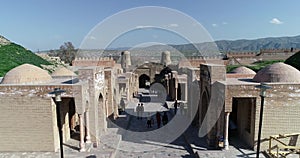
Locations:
(44, 24)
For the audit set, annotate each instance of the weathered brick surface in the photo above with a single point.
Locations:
(281, 108)
(27, 124)
(28, 119)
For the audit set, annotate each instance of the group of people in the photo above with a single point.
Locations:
(159, 119)
(181, 106)
(150, 121)
(140, 110)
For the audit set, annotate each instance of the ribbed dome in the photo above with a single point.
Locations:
(278, 72)
(243, 70)
(63, 72)
(26, 74)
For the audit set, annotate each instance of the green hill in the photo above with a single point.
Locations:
(13, 55)
(294, 60)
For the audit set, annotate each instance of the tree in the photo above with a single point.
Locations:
(67, 52)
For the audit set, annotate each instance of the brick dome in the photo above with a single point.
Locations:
(278, 72)
(63, 72)
(243, 70)
(26, 74)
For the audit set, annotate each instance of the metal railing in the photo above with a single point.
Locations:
(278, 148)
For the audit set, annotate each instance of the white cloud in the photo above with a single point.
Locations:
(92, 38)
(214, 25)
(276, 21)
(173, 25)
(224, 23)
(143, 27)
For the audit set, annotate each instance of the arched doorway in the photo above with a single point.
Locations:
(204, 106)
(102, 113)
(72, 116)
(143, 79)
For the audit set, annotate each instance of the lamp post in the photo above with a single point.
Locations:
(57, 92)
(263, 87)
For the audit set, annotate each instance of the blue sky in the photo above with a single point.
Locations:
(45, 24)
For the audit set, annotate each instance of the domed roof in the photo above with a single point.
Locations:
(61, 72)
(278, 72)
(243, 70)
(26, 74)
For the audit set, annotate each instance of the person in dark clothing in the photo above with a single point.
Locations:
(158, 119)
(175, 106)
(149, 121)
(165, 118)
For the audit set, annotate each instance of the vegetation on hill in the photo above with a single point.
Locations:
(255, 66)
(13, 55)
(261, 64)
(294, 60)
(66, 53)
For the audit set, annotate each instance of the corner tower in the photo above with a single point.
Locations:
(166, 58)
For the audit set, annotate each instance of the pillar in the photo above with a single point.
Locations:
(226, 142)
(167, 83)
(175, 75)
(81, 141)
(87, 126)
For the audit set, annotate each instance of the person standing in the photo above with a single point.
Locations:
(138, 110)
(158, 119)
(181, 106)
(122, 103)
(165, 118)
(142, 110)
(149, 121)
(175, 106)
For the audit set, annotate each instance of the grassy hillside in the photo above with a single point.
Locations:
(13, 55)
(255, 66)
(294, 60)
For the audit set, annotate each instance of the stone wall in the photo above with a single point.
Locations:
(84, 61)
(281, 108)
(29, 121)
(28, 124)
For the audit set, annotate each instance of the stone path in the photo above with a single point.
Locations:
(140, 141)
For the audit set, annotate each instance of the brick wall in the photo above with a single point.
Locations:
(27, 124)
(281, 109)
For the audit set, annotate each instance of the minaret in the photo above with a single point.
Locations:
(125, 60)
(165, 58)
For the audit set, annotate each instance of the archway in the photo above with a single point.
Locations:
(143, 79)
(101, 106)
(204, 106)
(72, 116)
(102, 113)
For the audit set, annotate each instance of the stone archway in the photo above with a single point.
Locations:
(143, 79)
(102, 114)
(72, 116)
(204, 106)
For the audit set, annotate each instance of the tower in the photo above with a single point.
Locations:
(166, 58)
(125, 60)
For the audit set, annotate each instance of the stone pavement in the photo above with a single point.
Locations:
(137, 140)
(140, 141)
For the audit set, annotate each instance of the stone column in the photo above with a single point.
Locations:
(226, 142)
(81, 143)
(175, 84)
(185, 92)
(87, 126)
(167, 83)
